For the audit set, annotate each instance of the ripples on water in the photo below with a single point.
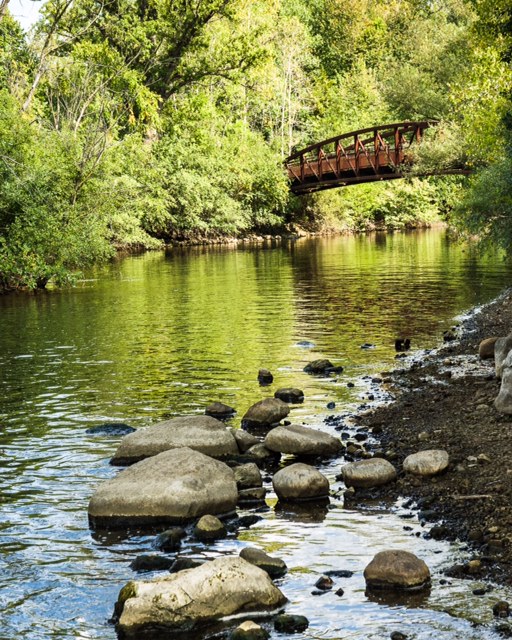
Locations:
(156, 336)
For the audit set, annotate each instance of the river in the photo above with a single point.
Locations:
(159, 335)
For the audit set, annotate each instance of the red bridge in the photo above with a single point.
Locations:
(366, 155)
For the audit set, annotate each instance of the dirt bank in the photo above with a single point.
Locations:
(446, 401)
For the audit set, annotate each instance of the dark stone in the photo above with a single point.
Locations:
(350, 385)
(219, 410)
(290, 395)
(339, 592)
(504, 630)
(275, 567)
(251, 495)
(325, 583)
(248, 521)
(285, 623)
(479, 592)
(331, 405)
(110, 429)
(151, 562)
(501, 609)
(339, 573)
(367, 345)
(255, 632)
(396, 635)
(318, 592)
(265, 377)
(180, 564)
(170, 539)
(449, 336)
(322, 367)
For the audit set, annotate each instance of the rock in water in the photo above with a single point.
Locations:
(248, 476)
(397, 570)
(249, 630)
(427, 463)
(209, 528)
(284, 623)
(300, 482)
(188, 599)
(322, 367)
(289, 394)
(201, 433)
(265, 377)
(275, 567)
(219, 410)
(368, 473)
(299, 440)
(265, 414)
(173, 487)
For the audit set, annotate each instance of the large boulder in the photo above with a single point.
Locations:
(503, 402)
(190, 599)
(202, 433)
(299, 440)
(502, 348)
(171, 487)
(427, 463)
(368, 473)
(396, 570)
(300, 482)
(265, 414)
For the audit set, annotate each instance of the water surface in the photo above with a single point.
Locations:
(160, 335)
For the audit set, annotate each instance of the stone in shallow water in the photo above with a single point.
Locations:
(290, 394)
(368, 473)
(275, 567)
(219, 410)
(185, 600)
(172, 487)
(298, 440)
(300, 482)
(322, 367)
(265, 414)
(396, 570)
(201, 433)
(427, 463)
(248, 476)
(285, 623)
(170, 539)
(209, 528)
(151, 562)
(249, 630)
(110, 429)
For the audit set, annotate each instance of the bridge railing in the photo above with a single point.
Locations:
(358, 156)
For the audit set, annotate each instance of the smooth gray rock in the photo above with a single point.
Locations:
(244, 440)
(427, 463)
(502, 348)
(290, 394)
(396, 569)
(503, 402)
(275, 567)
(201, 433)
(299, 440)
(368, 473)
(248, 476)
(171, 487)
(184, 600)
(265, 414)
(300, 482)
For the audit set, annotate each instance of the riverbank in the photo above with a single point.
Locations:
(446, 401)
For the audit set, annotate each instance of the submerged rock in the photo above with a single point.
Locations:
(368, 473)
(300, 482)
(173, 487)
(322, 367)
(397, 569)
(265, 377)
(201, 433)
(427, 463)
(265, 414)
(298, 440)
(285, 623)
(275, 567)
(170, 539)
(219, 410)
(289, 394)
(110, 429)
(151, 562)
(188, 599)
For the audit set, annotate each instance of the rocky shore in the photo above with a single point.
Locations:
(445, 401)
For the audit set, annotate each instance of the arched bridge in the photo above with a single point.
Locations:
(366, 155)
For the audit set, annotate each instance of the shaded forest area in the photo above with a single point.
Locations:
(128, 124)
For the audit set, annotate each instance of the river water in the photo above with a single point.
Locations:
(159, 335)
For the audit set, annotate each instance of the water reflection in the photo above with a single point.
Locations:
(156, 336)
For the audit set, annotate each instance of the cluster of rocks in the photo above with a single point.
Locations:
(192, 472)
